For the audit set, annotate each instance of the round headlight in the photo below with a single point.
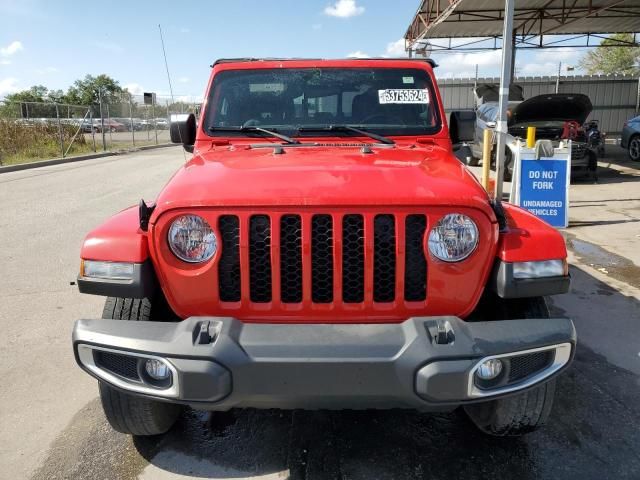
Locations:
(453, 238)
(191, 239)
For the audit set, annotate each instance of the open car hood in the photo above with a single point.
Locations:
(490, 92)
(552, 107)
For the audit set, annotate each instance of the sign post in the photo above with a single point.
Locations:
(542, 184)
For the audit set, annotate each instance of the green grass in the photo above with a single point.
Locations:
(22, 143)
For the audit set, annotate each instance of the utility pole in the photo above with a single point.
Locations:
(475, 82)
(558, 77)
(508, 44)
(104, 140)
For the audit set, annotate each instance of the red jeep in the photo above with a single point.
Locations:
(323, 249)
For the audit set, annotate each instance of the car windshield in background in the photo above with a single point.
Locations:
(386, 101)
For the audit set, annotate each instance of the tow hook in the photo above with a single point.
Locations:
(440, 331)
(205, 332)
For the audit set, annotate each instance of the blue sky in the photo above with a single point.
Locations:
(55, 42)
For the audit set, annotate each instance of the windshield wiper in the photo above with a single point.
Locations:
(282, 137)
(347, 128)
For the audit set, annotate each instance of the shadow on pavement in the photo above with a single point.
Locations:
(593, 432)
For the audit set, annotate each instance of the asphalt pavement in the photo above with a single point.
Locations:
(51, 421)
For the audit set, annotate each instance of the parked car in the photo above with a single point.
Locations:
(162, 123)
(110, 125)
(556, 116)
(631, 138)
(343, 259)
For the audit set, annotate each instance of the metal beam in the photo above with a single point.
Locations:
(589, 14)
(503, 98)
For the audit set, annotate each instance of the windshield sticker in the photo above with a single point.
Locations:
(266, 87)
(407, 79)
(403, 95)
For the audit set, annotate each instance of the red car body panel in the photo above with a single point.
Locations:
(417, 175)
(528, 238)
(452, 288)
(119, 239)
(239, 176)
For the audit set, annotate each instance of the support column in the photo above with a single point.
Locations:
(503, 104)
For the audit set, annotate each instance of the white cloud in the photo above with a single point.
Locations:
(395, 49)
(344, 9)
(134, 88)
(358, 54)
(4, 61)
(8, 85)
(546, 62)
(463, 65)
(183, 80)
(11, 49)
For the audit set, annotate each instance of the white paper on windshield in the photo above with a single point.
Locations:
(403, 95)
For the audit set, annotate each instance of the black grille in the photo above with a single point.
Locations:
(291, 258)
(352, 259)
(123, 365)
(415, 268)
(384, 258)
(321, 259)
(229, 266)
(522, 366)
(296, 249)
(260, 259)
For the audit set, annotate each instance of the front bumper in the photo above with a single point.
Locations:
(426, 363)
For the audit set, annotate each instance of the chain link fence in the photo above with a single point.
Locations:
(31, 131)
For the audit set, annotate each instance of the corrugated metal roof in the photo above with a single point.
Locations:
(485, 18)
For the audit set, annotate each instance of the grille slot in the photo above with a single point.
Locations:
(415, 271)
(291, 258)
(123, 365)
(260, 259)
(522, 366)
(384, 258)
(229, 266)
(353, 258)
(321, 259)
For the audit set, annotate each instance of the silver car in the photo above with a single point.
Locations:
(631, 138)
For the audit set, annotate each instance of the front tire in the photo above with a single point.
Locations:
(515, 415)
(136, 415)
(634, 148)
(524, 412)
(126, 413)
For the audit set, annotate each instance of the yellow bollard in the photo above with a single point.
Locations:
(531, 137)
(487, 144)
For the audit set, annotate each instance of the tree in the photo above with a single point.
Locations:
(86, 91)
(607, 59)
(37, 93)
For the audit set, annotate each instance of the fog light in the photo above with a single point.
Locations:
(157, 369)
(489, 369)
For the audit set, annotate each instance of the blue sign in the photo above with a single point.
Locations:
(544, 190)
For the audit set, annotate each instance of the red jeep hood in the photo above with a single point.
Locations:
(238, 176)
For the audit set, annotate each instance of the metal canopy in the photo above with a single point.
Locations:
(533, 21)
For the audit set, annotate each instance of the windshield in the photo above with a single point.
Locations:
(387, 101)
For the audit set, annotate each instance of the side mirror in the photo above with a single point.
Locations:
(183, 130)
(462, 126)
